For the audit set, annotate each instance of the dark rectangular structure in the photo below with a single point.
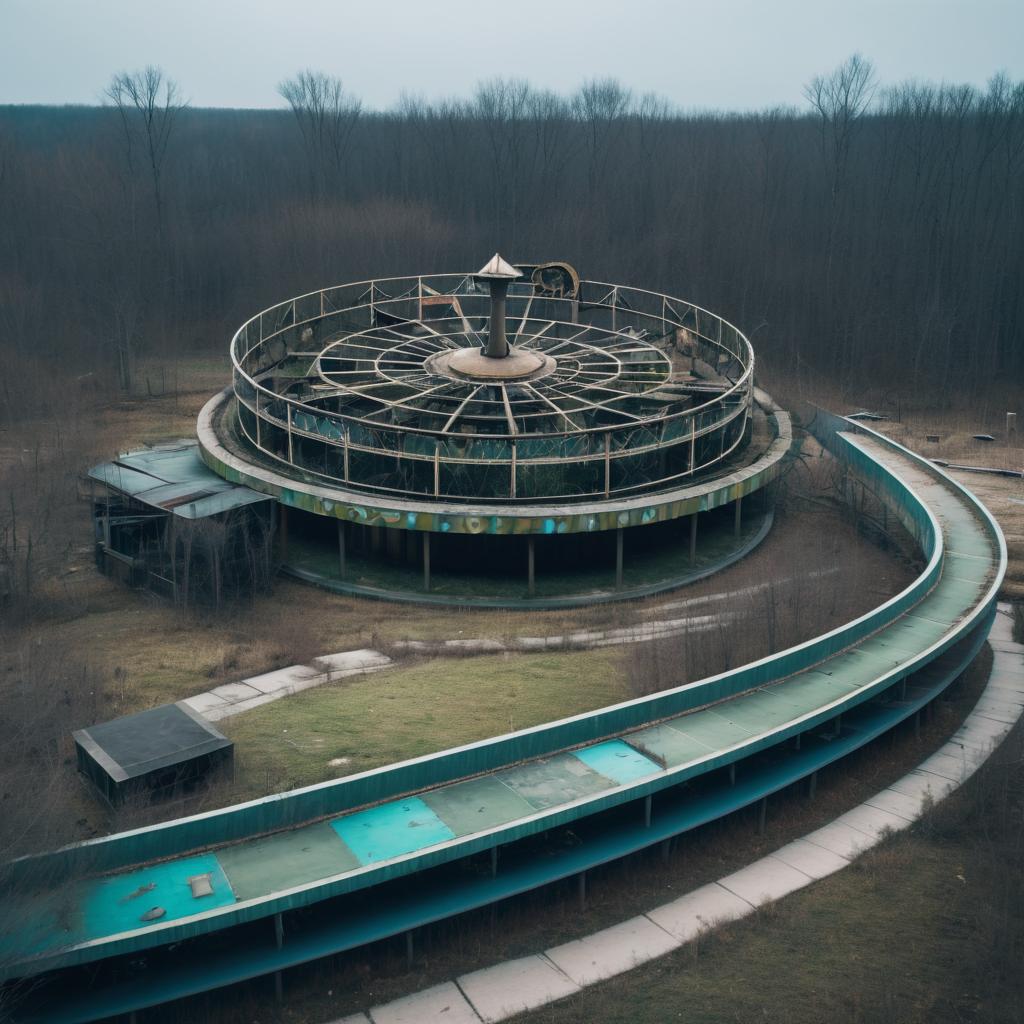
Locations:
(157, 750)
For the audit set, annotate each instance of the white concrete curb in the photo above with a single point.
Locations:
(506, 989)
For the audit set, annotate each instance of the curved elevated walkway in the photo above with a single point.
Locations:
(507, 989)
(835, 693)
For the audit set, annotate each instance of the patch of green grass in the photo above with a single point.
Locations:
(848, 949)
(405, 712)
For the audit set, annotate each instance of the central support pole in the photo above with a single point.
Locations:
(499, 275)
(738, 526)
(426, 561)
(497, 343)
(341, 548)
(693, 539)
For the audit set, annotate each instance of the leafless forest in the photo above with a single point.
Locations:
(876, 233)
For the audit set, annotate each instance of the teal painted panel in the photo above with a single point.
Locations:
(116, 903)
(618, 761)
(391, 830)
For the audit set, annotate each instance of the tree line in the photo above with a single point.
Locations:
(875, 235)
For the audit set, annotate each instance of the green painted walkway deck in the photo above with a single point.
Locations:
(352, 850)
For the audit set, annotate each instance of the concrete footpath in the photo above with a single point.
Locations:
(234, 698)
(506, 989)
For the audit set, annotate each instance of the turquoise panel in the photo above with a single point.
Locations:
(618, 761)
(390, 830)
(116, 904)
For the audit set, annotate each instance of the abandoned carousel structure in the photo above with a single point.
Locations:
(511, 436)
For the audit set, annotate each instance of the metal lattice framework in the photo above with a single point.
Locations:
(622, 390)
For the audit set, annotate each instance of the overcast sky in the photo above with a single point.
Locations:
(725, 54)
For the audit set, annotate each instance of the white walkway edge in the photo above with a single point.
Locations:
(506, 989)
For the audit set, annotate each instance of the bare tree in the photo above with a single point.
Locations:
(601, 106)
(148, 105)
(841, 99)
(326, 116)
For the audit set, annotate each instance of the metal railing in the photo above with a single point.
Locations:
(580, 462)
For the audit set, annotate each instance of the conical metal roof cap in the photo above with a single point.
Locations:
(497, 268)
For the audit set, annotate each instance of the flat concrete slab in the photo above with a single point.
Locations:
(922, 786)
(699, 911)
(873, 821)
(905, 806)
(954, 768)
(204, 702)
(765, 880)
(970, 754)
(283, 680)
(999, 709)
(1005, 646)
(440, 1003)
(840, 838)
(612, 951)
(509, 988)
(346, 661)
(215, 714)
(232, 692)
(979, 729)
(1005, 717)
(811, 859)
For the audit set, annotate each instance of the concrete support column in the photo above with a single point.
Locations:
(762, 817)
(693, 539)
(738, 523)
(426, 561)
(618, 558)
(342, 568)
(494, 862)
(531, 587)
(393, 544)
(408, 949)
(648, 803)
(582, 889)
(732, 774)
(812, 785)
(282, 532)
